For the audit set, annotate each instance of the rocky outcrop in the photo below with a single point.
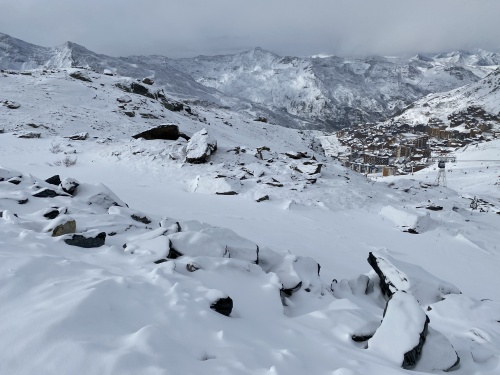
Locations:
(200, 147)
(165, 132)
(80, 75)
(66, 227)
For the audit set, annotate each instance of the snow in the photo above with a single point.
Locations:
(113, 310)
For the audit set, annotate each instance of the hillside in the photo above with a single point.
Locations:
(269, 258)
(326, 92)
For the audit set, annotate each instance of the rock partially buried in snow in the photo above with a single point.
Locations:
(401, 336)
(80, 75)
(396, 275)
(87, 242)
(195, 244)
(200, 147)
(223, 306)
(214, 185)
(54, 180)
(437, 354)
(67, 226)
(69, 185)
(165, 132)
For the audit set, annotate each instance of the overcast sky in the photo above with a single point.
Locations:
(178, 28)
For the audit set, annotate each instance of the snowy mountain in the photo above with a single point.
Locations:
(325, 92)
(228, 245)
(337, 91)
(478, 103)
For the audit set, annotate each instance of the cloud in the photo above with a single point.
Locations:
(289, 27)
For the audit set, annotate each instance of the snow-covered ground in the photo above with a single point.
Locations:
(113, 310)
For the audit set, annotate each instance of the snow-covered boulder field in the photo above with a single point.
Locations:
(92, 286)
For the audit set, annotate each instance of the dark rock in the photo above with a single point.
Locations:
(262, 199)
(261, 119)
(223, 306)
(173, 254)
(361, 338)
(148, 116)
(23, 201)
(81, 76)
(86, 242)
(172, 106)
(29, 135)
(46, 193)
(130, 113)
(52, 214)
(78, 137)
(69, 185)
(434, 208)
(141, 219)
(124, 99)
(287, 292)
(411, 230)
(15, 180)
(148, 81)
(296, 155)
(12, 105)
(139, 89)
(227, 193)
(160, 261)
(54, 180)
(191, 267)
(166, 132)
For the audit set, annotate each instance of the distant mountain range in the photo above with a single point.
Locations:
(313, 92)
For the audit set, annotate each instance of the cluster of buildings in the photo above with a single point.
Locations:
(397, 148)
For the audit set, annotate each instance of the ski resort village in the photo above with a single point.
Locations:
(246, 211)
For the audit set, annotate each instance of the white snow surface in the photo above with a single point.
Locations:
(112, 310)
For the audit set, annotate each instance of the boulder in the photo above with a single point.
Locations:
(148, 81)
(166, 132)
(200, 147)
(78, 137)
(82, 76)
(437, 354)
(139, 89)
(223, 306)
(29, 135)
(396, 275)
(107, 72)
(401, 336)
(194, 244)
(86, 242)
(66, 227)
(54, 180)
(45, 193)
(172, 106)
(129, 113)
(51, 213)
(124, 99)
(12, 105)
(69, 185)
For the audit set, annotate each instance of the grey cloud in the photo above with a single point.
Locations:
(288, 27)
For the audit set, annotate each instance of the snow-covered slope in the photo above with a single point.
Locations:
(315, 92)
(479, 100)
(153, 298)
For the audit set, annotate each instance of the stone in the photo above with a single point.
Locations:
(223, 306)
(82, 76)
(51, 214)
(165, 132)
(68, 227)
(86, 242)
(148, 81)
(401, 336)
(54, 180)
(200, 147)
(12, 105)
(29, 135)
(129, 113)
(296, 155)
(262, 198)
(141, 219)
(173, 106)
(261, 119)
(69, 185)
(46, 193)
(78, 137)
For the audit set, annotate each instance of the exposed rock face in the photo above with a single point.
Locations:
(67, 227)
(166, 132)
(223, 306)
(200, 147)
(396, 275)
(87, 242)
(401, 335)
